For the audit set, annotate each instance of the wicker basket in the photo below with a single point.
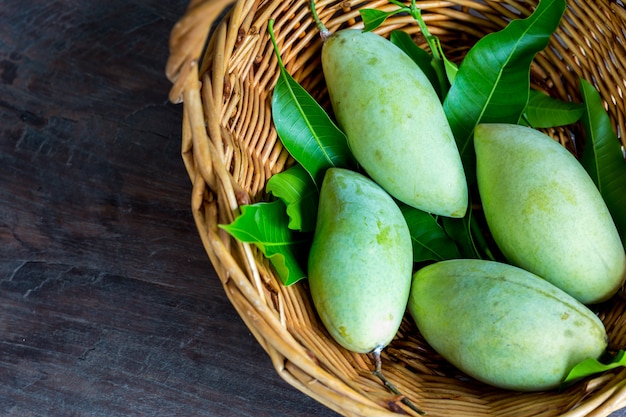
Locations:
(230, 150)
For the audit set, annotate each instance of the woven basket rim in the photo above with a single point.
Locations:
(203, 71)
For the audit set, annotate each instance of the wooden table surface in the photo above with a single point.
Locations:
(109, 305)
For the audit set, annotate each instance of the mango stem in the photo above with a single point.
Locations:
(324, 32)
(379, 373)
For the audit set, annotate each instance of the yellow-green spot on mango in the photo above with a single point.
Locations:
(545, 213)
(360, 262)
(371, 83)
(503, 325)
(385, 234)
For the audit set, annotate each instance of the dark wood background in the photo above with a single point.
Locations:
(108, 304)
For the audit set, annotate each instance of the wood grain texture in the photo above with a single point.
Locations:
(108, 304)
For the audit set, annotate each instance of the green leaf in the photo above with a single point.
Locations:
(543, 111)
(593, 366)
(305, 129)
(297, 190)
(603, 157)
(430, 242)
(493, 80)
(265, 226)
(433, 69)
(460, 231)
(445, 69)
(450, 67)
(373, 18)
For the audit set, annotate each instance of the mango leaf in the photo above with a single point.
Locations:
(603, 157)
(373, 18)
(493, 80)
(430, 242)
(305, 129)
(593, 366)
(265, 225)
(450, 67)
(444, 70)
(433, 69)
(460, 231)
(543, 111)
(486, 248)
(297, 190)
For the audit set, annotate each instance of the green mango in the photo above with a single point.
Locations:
(394, 122)
(503, 325)
(545, 213)
(360, 261)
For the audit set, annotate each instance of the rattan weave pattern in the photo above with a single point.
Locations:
(230, 150)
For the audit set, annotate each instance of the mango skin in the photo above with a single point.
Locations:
(503, 325)
(360, 262)
(394, 122)
(545, 212)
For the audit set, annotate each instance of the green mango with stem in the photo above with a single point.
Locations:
(503, 325)
(545, 213)
(360, 261)
(394, 122)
